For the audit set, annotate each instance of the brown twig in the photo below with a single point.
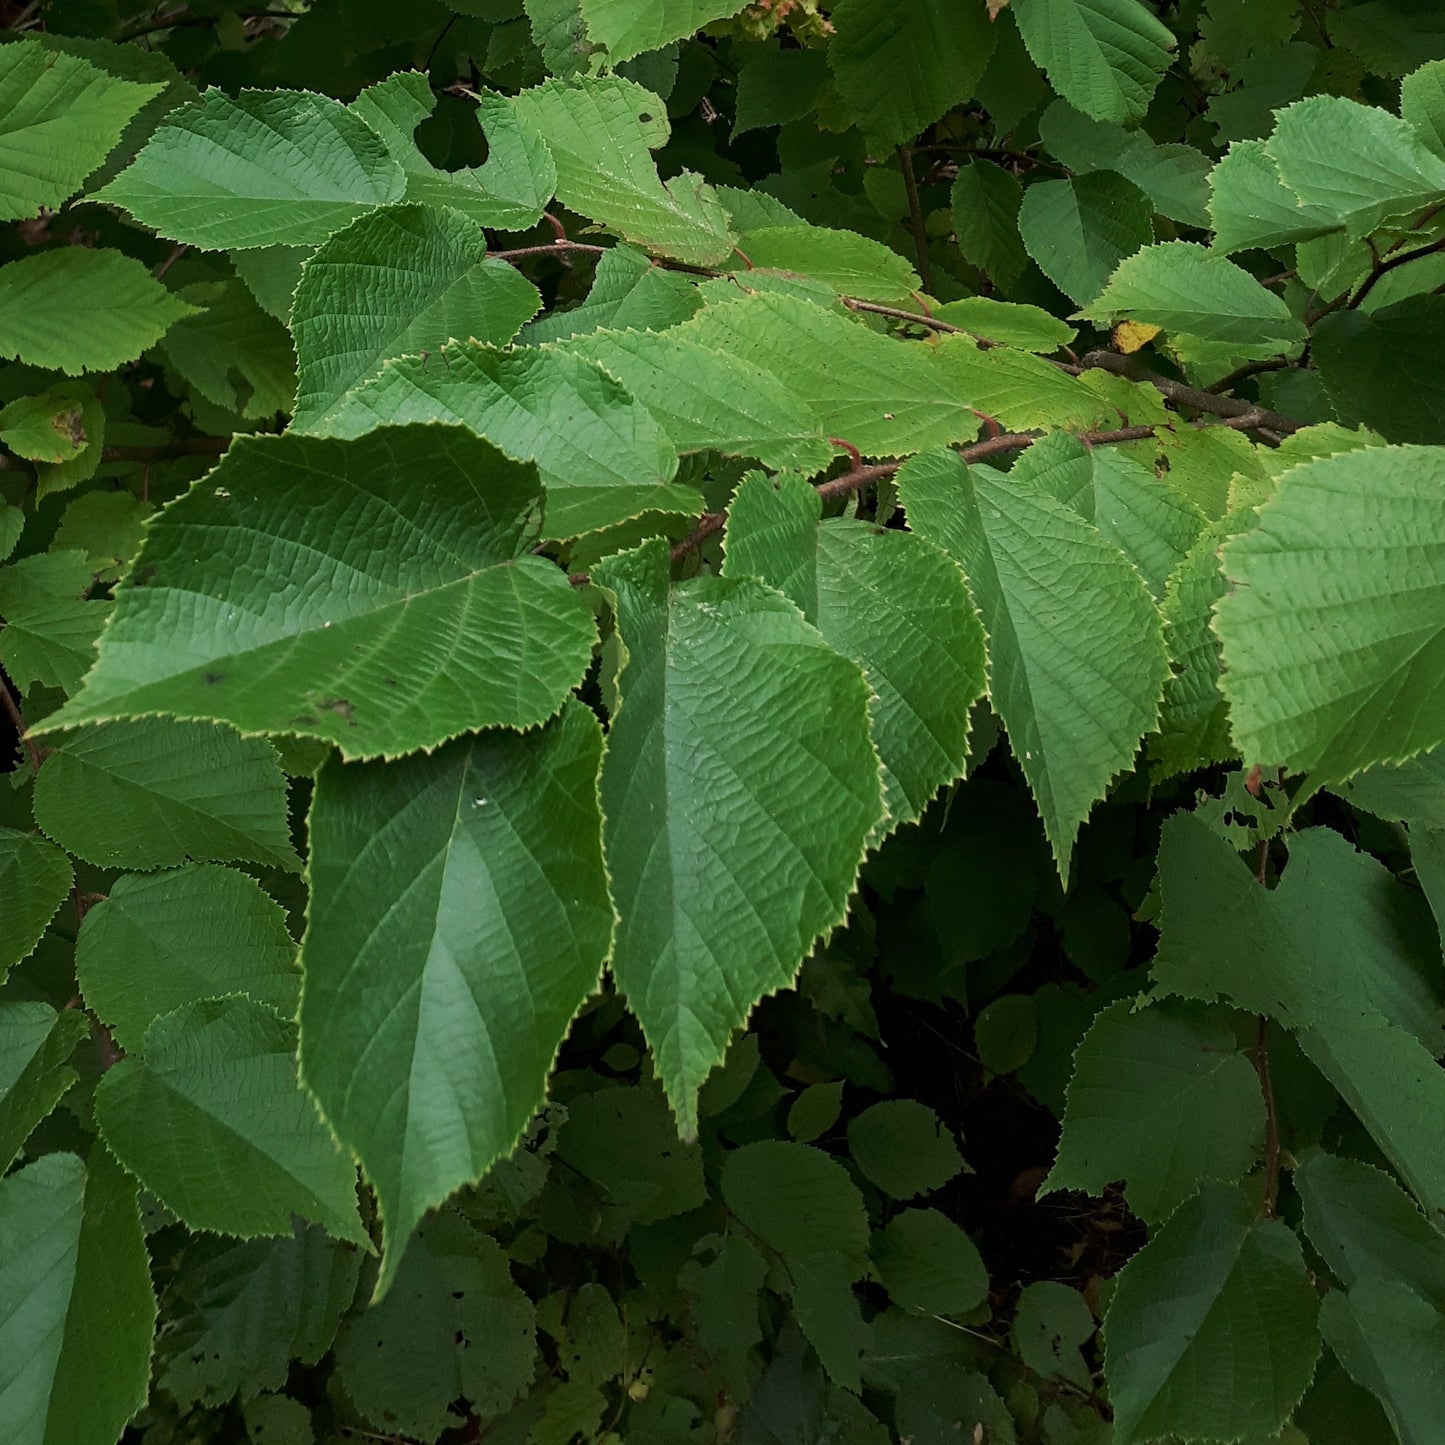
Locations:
(1193, 397)
(1261, 1067)
(17, 721)
(916, 221)
(177, 447)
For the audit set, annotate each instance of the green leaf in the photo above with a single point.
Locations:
(600, 130)
(398, 280)
(900, 64)
(1104, 56)
(927, 1263)
(49, 427)
(851, 264)
(1211, 1332)
(705, 399)
(1050, 1324)
(1334, 626)
(628, 293)
(1422, 104)
(985, 201)
(1365, 1226)
(73, 1272)
(464, 891)
(59, 118)
(35, 1048)
(1142, 515)
(509, 191)
(1412, 792)
(234, 353)
(815, 1111)
(213, 1122)
(1076, 656)
(1377, 368)
(74, 309)
(903, 1148)
(1390, 1340)
(1020, 391)
(160, 940)
(239, 1311)
(841, 368)
(265, 169)
(626, 28)
(454, 629)
(1029, 328)
(453, 1326)
(1249, 205)
(1079, 230)
(1006, 1033)
(107, 527)
(50, 624)
(1161, 1098)
(12, 524)
(154, 793)
(1358, 161)
(776, 86)
(890, 602)
(35, 879)
(1181, 287)
(740, 783)
(723, 1293)
(603, 457)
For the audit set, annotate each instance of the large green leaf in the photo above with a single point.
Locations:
(629, 27)
(509, 191)
(210, 1118)
(153, 793)
(890, 601)
(986, 200)
(293, 620)
(35, 1048)
(739, 788)
(851, 264)
(1340, 952)
(459, 917)
(602, 455)
(1161, 1098)
(1212, 1330)
(59, 118)
(75, 309)
(1104, 56)
(160, 940)
(267, 168)
(1079, 230)
(238, 1311)
(35, 879)
(1076, 656)
(50, 623)
(398, 280)
(1249, 205)
(76, 1308)
(1334, 625)
(900, 64)
(600, 130)
(1181, 287)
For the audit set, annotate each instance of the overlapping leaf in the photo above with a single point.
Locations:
(1079, 230)
(629, 27)
(35, 877)
(50, 624)
(459, 918)
(381, 651)
(36, 1044)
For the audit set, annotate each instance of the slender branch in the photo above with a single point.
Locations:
(899, 314)
(1243, 373)
(708, 523)
(1191, 396)
(1261, 1067)
(178, 447)
(915, 217)
(17, 721)
(550, 248)
(1383, 268)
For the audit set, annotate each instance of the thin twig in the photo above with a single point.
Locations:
(550, 248)
(916, 220)
(17, 721)
(875, 308)
(178, 447)
(1383, 268)
(1261, 1067)
(1191, 396)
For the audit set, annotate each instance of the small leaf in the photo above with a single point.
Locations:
(213, 1122)
(1050, 1323)
(35, 1048)
(903, 1148)
(986, 201)
(35, 879)
(50, 623)
(927, 1263)
(1079, 230)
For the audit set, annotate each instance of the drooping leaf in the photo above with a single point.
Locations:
(1181, 287)
(265, 169)
(397, 281)
(1211, 1332)
(900, 64)
(459, 917)
(715, 792)
(602, 455)
(1104, 56)
(1334, 626)
(1076, 656)
(73, 1272)
(211, 1119)
(986, 201)
(160, 940)
(50, 625)
(35, 1048)
(75, 309)
(889, 601)
(1079, 230)
(395, 650)
(453, 1326)
(1160, 1098)
(601, 130)
(903, 1147)
(59, 118)
(35, 878)
(154, 793)
(237, 1313)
